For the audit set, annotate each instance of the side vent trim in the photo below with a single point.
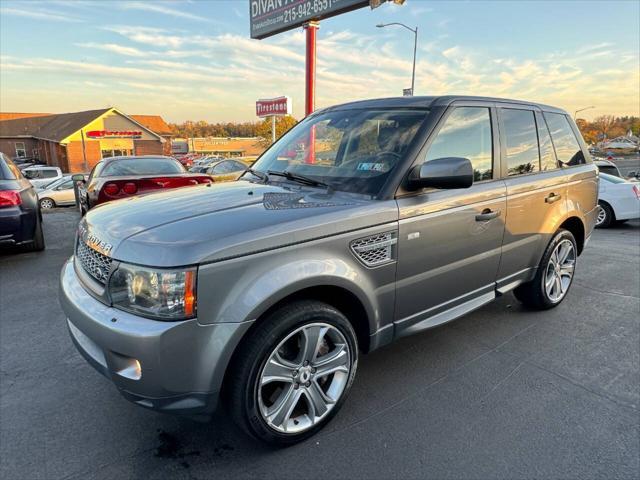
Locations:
(376, 250)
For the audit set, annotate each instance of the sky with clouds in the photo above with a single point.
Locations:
(193, 60)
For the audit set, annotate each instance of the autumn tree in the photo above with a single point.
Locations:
(283, 124)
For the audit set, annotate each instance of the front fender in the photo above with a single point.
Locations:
(261, 281)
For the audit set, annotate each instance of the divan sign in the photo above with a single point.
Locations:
(114, 134)
(269, 17)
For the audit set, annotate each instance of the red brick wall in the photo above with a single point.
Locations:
(147, 147)
(75, 158)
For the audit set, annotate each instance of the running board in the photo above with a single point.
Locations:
(444, 317)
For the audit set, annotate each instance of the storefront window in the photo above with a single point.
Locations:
(116, 153)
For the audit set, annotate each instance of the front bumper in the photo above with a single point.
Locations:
(180, 365)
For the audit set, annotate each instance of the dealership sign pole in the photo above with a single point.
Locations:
(270, 17)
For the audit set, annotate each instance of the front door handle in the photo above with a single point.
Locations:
(487, 214)
(552, 197)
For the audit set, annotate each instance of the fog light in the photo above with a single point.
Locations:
(127, 367)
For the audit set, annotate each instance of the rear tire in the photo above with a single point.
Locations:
(37, 245)
(554, 275)
(278, 396)
(605, 215)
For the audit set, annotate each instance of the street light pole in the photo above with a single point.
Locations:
(580, 110)
(415, 49)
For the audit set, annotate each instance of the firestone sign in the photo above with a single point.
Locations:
(273, 106)
(113, 134)
(269, 17)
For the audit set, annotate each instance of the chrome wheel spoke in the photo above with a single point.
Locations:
(281, 412)
(318, 400)
(337, 360)
(278, 369)
(312, 339)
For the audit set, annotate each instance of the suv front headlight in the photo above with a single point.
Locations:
(161, 294)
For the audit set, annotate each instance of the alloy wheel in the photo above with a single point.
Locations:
(559, 271)
(602, 216)
(46, 203)
(303, 378)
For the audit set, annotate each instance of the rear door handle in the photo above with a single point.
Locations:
(487, 214)
(552, 197)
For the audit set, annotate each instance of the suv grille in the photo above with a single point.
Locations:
(95, 263)
(376, 249)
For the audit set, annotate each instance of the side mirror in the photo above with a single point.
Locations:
(78, 177)
(444, 173)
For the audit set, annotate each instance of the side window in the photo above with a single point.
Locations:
(564, 140)
(33, 174)
(521, 141)
(547, 154)
(66, 185)
(49, 174)
(466, 133)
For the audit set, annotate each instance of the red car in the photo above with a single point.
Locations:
(121, 177)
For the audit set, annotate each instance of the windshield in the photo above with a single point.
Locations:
(142, 166)
(349, 150)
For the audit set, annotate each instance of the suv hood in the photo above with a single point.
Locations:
(199, 224)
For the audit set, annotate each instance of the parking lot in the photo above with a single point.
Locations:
(500, 393)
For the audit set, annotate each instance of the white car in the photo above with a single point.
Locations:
(40, 175)
(619, 200)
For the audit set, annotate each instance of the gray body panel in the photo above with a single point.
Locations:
(256, 245)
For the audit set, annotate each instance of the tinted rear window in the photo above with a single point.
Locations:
(142, 166)
(564, 140)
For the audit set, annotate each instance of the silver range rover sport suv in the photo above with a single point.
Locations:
(364, 223)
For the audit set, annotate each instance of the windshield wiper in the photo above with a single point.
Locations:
(296, 177)
(257, 173)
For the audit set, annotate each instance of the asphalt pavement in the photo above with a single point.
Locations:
(500, 393)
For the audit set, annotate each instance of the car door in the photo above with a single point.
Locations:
(449, 241)
(536, 192)
(64, 193)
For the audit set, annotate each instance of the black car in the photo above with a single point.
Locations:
(20, 217)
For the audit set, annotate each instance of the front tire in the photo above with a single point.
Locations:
(554, 276)
(293, 372)
(47, 203)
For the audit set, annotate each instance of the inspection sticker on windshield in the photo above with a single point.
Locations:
(374, 167)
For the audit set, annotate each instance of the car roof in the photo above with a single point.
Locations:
(41, 167)
(437, 101)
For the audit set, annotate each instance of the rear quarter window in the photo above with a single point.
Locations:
(565, 142)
